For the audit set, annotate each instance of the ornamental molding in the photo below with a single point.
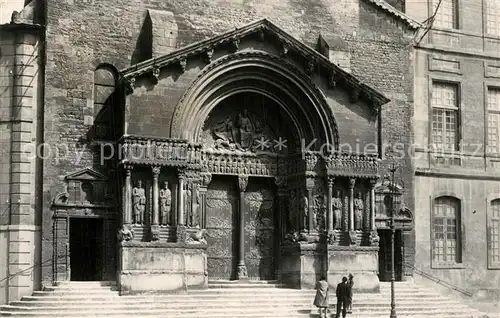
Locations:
(264, 30)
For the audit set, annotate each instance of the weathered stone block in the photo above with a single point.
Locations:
(303, 264)
(161, 267)
(362, 262)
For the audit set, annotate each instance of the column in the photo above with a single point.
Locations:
(310, 212)
(127, 193)
(156, 202)
(329, 204)
(282, 211)
(352, 182)
(242, 268)
(372, 204)
(155, 229)
(180, 198)
(205, 181)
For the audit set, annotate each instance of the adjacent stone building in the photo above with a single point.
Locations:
(220, 140)
(456, 129)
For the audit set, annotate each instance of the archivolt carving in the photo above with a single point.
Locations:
(329, 126)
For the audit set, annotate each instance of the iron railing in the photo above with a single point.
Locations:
(439, 281)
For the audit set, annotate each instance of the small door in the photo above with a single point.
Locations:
(221, 209)
(385, 255)
(86, 249)
(260, 230)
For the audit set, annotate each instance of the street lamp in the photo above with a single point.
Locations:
(393, 233)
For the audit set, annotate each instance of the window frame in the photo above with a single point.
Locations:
(487, 112)
(459, 229)
(456, 17)
(459, 133)
(486, 14)
(489, 200)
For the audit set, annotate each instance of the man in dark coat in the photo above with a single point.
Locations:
(342, 297)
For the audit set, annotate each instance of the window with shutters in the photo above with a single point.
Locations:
(494, 234)
(493, 113)
(447, 14)
(493, 17)
(445, 116)
(446, 232)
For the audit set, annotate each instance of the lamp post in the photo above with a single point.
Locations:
(393, 233)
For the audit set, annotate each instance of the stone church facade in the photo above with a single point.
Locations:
(191, 143)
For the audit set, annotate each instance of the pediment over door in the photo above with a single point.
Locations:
(83, 189)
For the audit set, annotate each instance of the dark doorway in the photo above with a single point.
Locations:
(384, 255)
(85, 249)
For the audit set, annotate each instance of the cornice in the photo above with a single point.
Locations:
(320, 64)
(411, 23)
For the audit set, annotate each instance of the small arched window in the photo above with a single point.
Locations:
(104, 88)
(446, 236)
(494, 234)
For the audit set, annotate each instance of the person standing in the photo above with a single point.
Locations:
(342, 297)
(321, 299)
(350, 283)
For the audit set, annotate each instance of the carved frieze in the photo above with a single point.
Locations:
(161, 153)
(237, 163)
(346, 164)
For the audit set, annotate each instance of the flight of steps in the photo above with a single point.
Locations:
(227, 299)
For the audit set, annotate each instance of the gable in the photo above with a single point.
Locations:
(86, 174)
(310, 61)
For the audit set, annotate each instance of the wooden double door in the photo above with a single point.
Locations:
(223, 229)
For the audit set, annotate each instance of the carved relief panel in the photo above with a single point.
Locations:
(319, 205)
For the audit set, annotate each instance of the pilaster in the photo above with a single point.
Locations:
(155, 229)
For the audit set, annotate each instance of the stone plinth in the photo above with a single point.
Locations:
(302, 264)
(161, 267)
(361, 261)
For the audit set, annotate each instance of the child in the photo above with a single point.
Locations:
(321, 299)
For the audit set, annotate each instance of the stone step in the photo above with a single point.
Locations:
(226, 310)
(208, 315)
(31, 301)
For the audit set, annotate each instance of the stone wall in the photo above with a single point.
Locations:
(19, 139)
(83, 35)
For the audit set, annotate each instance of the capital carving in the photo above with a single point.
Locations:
(156, 74)
(206, 179)
(284, 49)
(331, 80)
(235, 45)
(280, 181)
(242, 183)
(128, 170)
(208, 56)
(330, 181)
(156, 171)
(181, 174)
(125, 234)
(355, 95)
(130, 86)
(183, 65)
(261, 35)
(310, 66)
(373, 182)
(375, 108)
(352, 183)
